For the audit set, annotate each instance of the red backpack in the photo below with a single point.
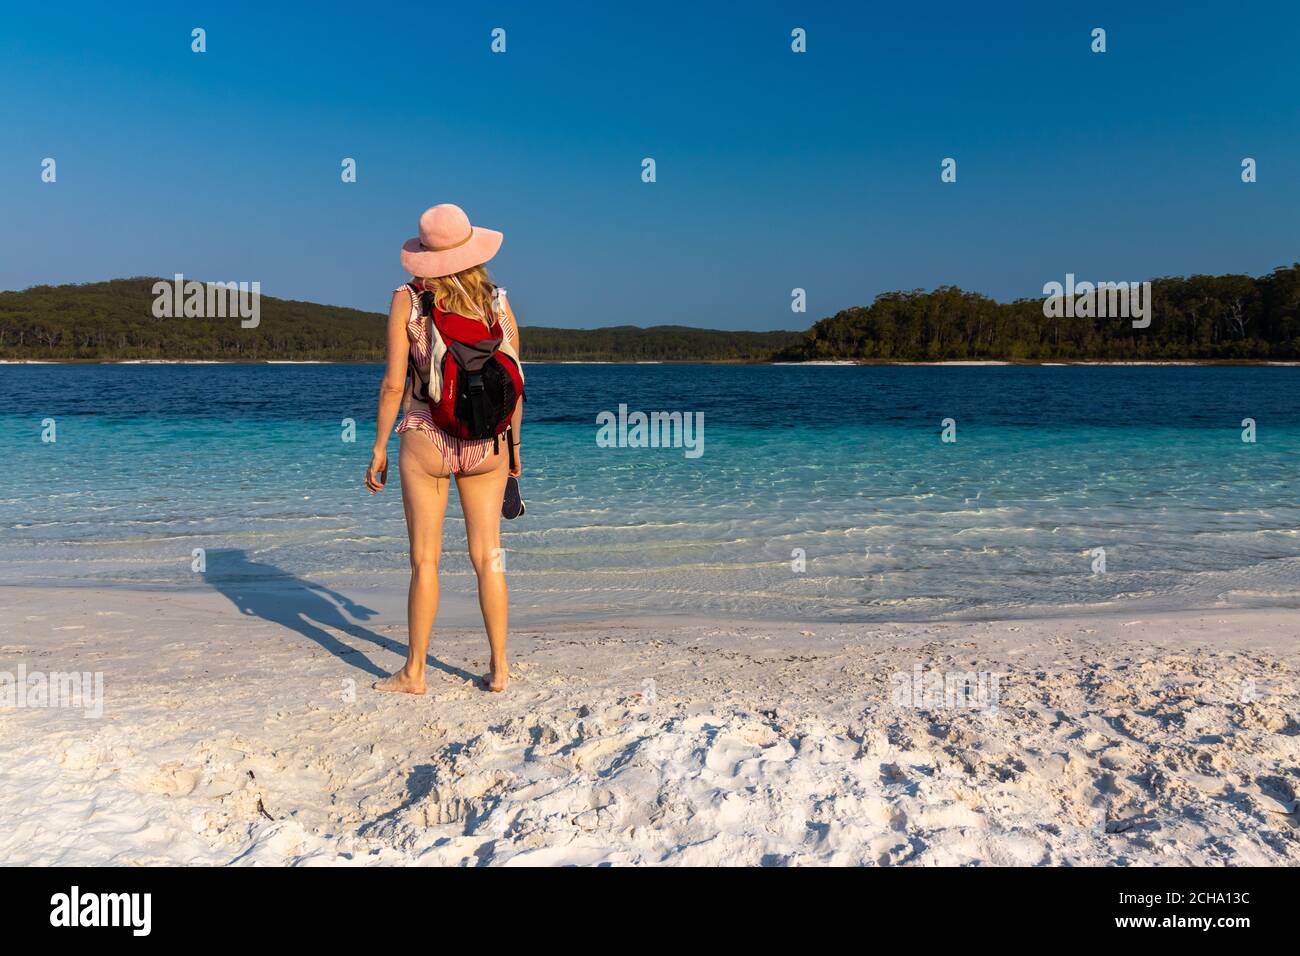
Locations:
(480, 383)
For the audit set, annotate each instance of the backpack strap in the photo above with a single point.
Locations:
(422, 305)
(424, 297)
(507, 342)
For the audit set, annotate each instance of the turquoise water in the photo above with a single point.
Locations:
(845, 464)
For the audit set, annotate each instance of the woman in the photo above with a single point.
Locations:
(446, 261)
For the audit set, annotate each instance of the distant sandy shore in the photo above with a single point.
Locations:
(235, 738)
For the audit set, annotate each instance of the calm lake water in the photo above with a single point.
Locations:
(842, 465)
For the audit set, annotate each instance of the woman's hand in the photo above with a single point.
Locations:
(519, 462)
(377, 473)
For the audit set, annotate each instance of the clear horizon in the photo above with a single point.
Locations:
(775, 170)
(811, 322)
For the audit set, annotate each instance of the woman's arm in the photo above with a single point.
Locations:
(391, 389)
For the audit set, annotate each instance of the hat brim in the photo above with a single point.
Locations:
(426, 264)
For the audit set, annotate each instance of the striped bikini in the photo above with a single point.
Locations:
(462, 454)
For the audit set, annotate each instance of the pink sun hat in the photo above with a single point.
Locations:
(448, 244)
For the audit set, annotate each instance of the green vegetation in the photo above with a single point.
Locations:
(659, 343)
(1233, 317)
(114, 320)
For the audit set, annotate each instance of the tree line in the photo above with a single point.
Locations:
(114, 320)
(1229, 317)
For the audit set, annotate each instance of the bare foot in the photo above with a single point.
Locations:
(401, 683)
(497, 680)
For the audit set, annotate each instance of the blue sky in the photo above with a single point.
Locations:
(775, 170)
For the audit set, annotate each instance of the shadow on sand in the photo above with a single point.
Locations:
(275, 595)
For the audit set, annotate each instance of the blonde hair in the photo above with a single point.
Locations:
(470, 293)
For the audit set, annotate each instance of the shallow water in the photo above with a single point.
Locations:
(844, 463)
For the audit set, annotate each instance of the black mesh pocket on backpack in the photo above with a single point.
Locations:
(485, 399)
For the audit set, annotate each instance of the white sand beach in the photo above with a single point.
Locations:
(231, 738)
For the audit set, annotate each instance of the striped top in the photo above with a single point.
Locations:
(462, 453)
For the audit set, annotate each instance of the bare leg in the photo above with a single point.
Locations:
(481, 491)
(425, 483)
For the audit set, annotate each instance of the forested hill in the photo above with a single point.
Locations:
(659, 343)
(115, 320)
(1230, 317)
